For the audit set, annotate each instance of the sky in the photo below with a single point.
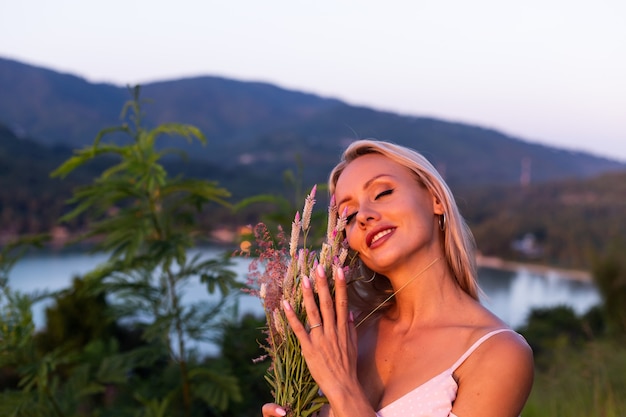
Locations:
(546, 71)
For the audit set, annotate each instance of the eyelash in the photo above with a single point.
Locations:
(353, 215)
(384, 193)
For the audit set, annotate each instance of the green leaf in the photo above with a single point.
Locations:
(218, 389)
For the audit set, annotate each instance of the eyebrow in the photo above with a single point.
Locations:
(365, 186)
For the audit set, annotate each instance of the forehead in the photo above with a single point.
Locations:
(367, 167)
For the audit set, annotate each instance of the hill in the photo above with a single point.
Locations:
(564, 223)
(262, 129)
(61, 108)
(29, 200)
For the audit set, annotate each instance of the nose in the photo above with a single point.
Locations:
(365, 214)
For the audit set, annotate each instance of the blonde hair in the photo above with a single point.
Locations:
(458, 241)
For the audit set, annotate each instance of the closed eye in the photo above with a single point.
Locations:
(384, 193)
(351, 217)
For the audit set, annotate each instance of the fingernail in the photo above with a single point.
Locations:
(305, 282)
(286, 305)
(340, 274)
(280, 411)
(320, 270)
(351, 317)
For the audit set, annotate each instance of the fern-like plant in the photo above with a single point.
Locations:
(146, 220)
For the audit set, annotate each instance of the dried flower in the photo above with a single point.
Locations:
(308, 209)
(296, 227)
(278, 272)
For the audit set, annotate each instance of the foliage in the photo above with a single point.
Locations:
(146, 221)
(276, 211)
(80, 315)
(547, 329)
(11, 253)
(581, 381)
(239, 344)
(567, 221)
(31, 202)
(609, 273)
(580, 368)
(20, 366)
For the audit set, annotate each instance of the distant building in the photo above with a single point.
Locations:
(527, 246)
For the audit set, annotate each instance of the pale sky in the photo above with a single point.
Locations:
(546, 71)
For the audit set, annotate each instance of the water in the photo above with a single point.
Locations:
(509, 294)
(52, 272)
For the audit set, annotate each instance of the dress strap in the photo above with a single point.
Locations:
(476, 345)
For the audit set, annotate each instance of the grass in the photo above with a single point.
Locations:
(581, 382)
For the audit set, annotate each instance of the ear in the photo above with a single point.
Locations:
(437, 206)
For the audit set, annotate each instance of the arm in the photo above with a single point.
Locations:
(330, 350)
(496, 380)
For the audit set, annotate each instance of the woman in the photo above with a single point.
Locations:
(411, 338)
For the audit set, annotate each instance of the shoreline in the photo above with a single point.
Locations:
(482, 261)
(499, 263)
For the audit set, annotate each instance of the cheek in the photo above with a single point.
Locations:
(351, 237)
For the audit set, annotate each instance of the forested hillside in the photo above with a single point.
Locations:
(262, 128)
(558, 223)
(563, 223)
(29, 200)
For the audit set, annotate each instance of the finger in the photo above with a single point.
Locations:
(273, 410)
(327, 306)
(352, 331)
(341, 298)
(345, 318)
(312, 312)
(295, 324)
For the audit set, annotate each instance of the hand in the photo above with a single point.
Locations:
(273, 410)
(330, 347)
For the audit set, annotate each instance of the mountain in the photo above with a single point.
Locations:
(261, 128)
(62, 108)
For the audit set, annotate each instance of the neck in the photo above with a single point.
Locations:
(402, 287)
(436, 297)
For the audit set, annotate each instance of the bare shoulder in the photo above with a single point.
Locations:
(503, 353)
(496, 378)
(508, 347)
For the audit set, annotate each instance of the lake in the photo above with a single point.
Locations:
(509, 294)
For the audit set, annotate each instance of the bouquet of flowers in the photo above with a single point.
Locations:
(276, 275)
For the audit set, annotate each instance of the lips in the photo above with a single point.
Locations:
(377, 235)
